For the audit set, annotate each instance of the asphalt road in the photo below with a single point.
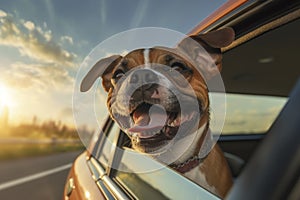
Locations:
(35, 178)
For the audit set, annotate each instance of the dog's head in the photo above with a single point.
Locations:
(155, 93)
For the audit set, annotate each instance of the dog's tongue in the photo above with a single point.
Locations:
(152, 119)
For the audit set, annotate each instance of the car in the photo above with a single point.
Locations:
(260, 138)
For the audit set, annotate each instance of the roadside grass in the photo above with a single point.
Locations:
(15, 151)
(38, 139)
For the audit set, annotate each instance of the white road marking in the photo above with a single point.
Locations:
(33, 177)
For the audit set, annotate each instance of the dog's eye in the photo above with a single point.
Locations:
(118, 74)
(178, 66)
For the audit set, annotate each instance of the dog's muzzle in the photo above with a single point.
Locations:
(151, 110)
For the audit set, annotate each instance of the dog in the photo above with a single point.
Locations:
(147, 102)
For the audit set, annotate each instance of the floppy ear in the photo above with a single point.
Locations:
(212, 42)
(102, 68)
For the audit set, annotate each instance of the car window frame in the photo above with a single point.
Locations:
(96, 148)
(166, 171)
(105, 176)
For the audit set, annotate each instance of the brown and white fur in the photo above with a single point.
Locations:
(118, 72)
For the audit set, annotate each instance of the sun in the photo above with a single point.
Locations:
(5, 98)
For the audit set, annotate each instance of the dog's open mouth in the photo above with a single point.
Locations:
(154, 126)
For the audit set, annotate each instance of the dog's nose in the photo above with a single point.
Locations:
(143, 76)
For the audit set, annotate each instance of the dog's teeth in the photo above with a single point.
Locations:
(176, 122)
(133, 134)
(172, 124)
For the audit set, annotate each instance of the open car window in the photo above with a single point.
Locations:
(139, 176)
(105, 151)
(256, 117)
(258, 76)
(144, 178)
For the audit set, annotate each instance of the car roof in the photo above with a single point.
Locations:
(256, 67)
(221, 12)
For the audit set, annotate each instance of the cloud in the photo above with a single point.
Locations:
(2, 13)
(67, 39)
(38, 77)
(33, 41)
(123, 53)
(29, 25)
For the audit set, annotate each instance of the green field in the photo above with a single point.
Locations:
(14, 151)
(38, 139)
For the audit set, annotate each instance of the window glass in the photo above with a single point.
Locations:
(259, 75)
(250, 113)
(108, 145)
(155, 181)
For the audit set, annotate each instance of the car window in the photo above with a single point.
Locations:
(258, 76)
(105, 149)
(144, 178)
(250, 114)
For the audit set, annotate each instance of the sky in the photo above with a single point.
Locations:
(43, 43)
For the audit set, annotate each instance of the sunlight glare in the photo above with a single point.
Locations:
(5, 99)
